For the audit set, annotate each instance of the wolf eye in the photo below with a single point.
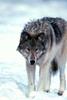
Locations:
(37, 50)
(27, 50)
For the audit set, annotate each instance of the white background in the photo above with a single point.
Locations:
(14, 14)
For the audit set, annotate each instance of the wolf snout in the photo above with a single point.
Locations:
(32, 62)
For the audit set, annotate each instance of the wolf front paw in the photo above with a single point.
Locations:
(32, 94)
(47, 91)
(60, 93)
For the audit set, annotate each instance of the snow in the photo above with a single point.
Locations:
(13, 76)
(13, 85)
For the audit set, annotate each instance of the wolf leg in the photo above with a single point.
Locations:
(61, 63)
(62, 81)
(45, 78)
(31, 76)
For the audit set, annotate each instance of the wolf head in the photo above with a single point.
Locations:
(35, 40)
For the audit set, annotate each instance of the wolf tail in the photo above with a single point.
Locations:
(54, 67)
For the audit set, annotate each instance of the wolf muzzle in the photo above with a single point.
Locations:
(32, 59)
(32, 62)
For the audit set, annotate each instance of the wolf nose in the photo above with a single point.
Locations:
(32, 62)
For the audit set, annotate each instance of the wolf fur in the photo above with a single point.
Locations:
(43, 42)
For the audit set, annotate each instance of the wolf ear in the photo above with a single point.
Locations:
(40, 36)
(24, 35)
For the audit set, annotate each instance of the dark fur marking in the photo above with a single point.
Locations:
(54, 66)
(25, 36)
(32, 42)
(58, 29)
(58, 33)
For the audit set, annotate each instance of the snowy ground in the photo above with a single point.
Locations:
(13, 84)
(13, 77)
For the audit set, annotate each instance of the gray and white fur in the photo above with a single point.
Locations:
(44, 42)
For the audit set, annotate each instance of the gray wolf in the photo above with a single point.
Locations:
(43, 42)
